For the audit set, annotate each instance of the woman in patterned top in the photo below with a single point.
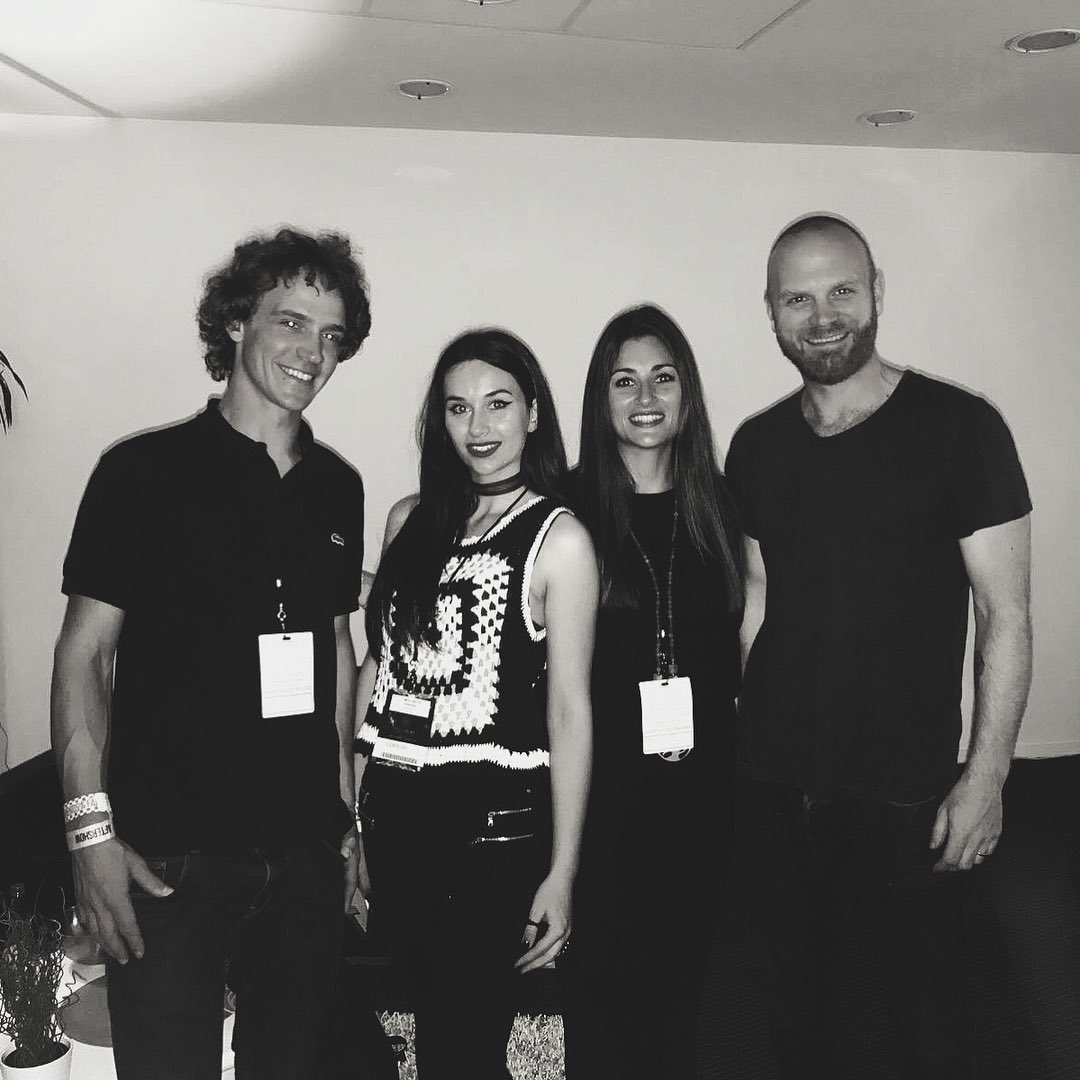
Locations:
(476, 740)
(665, 674)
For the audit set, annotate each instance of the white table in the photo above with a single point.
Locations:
(90, 1062)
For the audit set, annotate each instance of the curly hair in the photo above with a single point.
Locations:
(260, 264)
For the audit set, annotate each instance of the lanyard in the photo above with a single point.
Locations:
(484, 536)
(275, 542)
(281, 604)
(665, 638)
(412, 677)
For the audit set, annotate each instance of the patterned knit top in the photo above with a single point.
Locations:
(487, 673)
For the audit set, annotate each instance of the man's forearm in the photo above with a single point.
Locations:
(1002, 681)
(81, 699)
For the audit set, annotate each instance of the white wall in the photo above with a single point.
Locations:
(106, 228)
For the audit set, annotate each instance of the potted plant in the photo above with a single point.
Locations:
(5, 391)
(31, 968)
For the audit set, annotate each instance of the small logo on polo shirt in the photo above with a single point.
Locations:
(337, 538)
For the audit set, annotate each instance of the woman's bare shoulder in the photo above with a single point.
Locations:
(398, 515)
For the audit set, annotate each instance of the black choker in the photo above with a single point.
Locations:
(500, 487)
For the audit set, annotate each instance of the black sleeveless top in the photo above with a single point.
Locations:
(706, 651)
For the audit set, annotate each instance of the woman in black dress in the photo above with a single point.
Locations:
(665, 675)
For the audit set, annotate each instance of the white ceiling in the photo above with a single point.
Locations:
(737, 70)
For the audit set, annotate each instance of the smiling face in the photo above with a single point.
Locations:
(645, 396)
(823, 301)
(487, 419)
(288, 349)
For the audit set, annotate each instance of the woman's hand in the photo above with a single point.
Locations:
(548, 928)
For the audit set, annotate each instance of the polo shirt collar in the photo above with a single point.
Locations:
(224, 431)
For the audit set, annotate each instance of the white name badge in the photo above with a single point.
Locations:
(412, 705)
(667, 716)
(402, 755)
(404, 741)
(287, 674)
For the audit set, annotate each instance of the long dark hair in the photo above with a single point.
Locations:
(409, 571)
(606, 486)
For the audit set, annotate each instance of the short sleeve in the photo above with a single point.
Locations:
(987, 485)
(736, 468)
(104, 557)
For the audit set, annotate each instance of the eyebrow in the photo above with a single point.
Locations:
(301, 317)
(633, 371)
(834, 285)
(490, 393)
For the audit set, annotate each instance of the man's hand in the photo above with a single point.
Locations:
(351, 852)
(968, 822)
(550, 912)
(103, 874)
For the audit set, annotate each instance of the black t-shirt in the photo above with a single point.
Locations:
(188, 530)
(853, 684)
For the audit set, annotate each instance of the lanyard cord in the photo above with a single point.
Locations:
(484, 535)
(281, 605)
(465, 555)
(279, 595)
(663, 637)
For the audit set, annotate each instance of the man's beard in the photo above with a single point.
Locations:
(827, 367)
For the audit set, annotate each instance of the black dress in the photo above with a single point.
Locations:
(657, 840)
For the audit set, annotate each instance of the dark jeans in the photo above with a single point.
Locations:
(800, 852)
(271, 925)
(454, 913)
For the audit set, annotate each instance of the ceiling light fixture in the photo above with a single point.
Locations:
(887, 117)
(488, 3)
(1042, 41)
(423, 88)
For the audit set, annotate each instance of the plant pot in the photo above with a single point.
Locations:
(59, 1069)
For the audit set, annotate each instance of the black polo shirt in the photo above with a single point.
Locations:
(188, 530)
(853, 683)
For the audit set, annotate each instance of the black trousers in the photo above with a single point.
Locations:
(800, 852)
(271, 923)
(454, 912)
(648, 893)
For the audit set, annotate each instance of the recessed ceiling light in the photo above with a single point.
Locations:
(423, 88)
(1042, 41)
(887, 117)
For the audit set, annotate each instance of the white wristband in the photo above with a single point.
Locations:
(88, 835)
(94, 803)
